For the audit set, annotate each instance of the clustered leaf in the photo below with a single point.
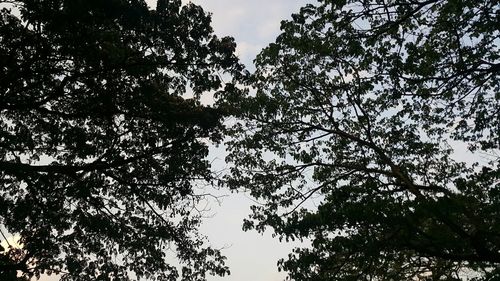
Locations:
(100, 146)
(351, 136)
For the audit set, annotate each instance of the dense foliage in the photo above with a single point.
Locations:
(353, 139)
(100, 146)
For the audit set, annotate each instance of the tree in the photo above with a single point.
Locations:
(100, 147)
(351, 140)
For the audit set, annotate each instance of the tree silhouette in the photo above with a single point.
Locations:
(350, 137)
(99, 144)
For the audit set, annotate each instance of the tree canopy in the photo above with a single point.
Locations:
(353, 136)
(100, 146)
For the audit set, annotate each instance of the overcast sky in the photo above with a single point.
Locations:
(251, 257)
(253, 23)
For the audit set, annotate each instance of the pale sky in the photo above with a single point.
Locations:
(253, 23)
(251, 256)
